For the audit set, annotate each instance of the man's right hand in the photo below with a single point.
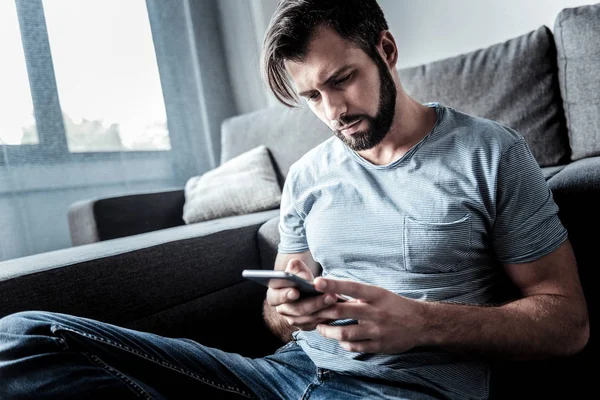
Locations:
(298, 312)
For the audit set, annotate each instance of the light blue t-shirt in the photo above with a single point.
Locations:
(434, 225)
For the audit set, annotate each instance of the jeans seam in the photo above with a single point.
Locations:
(163, 363)
(119, 375)
(318, 381)
(308, 390)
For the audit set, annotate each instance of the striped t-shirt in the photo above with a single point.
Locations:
(434, 225)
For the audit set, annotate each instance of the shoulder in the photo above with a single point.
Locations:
(480, 133)
(314, 163)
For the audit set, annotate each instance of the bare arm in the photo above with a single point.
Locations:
(550, 319)
(275, 321)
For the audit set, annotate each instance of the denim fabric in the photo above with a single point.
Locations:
(49, 355)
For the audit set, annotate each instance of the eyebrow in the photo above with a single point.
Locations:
(335, 75)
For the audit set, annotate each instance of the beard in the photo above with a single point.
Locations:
(379, 125)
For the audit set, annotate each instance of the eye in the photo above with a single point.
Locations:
(313, 96)
(341, 81)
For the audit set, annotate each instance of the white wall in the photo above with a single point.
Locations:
(425, 30)
(243, 25)
(429, 30)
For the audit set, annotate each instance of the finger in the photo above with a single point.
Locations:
(362, 346)
(298, 267)
(347, 333)
(276, 297)
(305, 323)
(306, 306)
(354, 289)
(349, 310)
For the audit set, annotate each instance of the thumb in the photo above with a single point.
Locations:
(298, 267)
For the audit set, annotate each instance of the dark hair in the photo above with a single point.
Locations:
(295, 22)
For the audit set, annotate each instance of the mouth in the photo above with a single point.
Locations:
(351, 128)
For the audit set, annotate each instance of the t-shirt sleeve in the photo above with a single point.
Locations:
(526, 226)
(291, 222)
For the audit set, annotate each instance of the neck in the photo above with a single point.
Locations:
(412, 122)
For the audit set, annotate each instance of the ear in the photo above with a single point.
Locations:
(387, 48)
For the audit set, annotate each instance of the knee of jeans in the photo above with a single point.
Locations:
(25, 322)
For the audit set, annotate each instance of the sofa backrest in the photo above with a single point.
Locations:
(515, 83)
(287, 132)
(577, 33)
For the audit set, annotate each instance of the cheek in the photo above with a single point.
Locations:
(364, 98)
(318, 111)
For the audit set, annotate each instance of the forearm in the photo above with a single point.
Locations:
(530, 328)
(277, 323)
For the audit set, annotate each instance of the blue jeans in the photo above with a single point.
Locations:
(56, 356)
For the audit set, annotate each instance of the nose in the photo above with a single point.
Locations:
(335, 107)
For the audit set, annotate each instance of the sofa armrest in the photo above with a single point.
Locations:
(179, 282)
(107, 218)
(576, 190)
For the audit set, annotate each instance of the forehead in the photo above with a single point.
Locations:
(327, 52)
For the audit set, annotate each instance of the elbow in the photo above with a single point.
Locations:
(584, 335)
(580, 336)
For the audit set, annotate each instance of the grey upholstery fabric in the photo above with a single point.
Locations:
(57, 259)
(581, 175)
(576, 190)
(215, 319)
(288, 132)
(514, 83)
(161, 281)
(577, 32)
(113, 217)
(268, 240)
(83, 228)
(549, 172)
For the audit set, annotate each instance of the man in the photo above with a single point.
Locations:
(416, 211)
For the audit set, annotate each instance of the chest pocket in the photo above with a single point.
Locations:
(436, 247)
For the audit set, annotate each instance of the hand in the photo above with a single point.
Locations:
(299, 312)
(387, 322)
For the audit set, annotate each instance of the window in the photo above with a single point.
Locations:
(82, 107)
(82, 77)
(17, 124)
(107, 75)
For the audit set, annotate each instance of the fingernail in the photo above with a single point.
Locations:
(321, 284)
(329, 300)
(292, 295)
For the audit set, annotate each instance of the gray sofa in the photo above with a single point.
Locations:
(135, 263)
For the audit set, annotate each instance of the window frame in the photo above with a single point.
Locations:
(52, 146)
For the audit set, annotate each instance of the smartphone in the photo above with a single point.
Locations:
(282, 279)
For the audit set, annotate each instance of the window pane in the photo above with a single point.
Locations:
(107, 75)
(17, 124)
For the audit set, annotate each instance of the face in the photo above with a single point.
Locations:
(348, 90)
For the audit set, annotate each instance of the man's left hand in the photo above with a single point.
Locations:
(387, 322)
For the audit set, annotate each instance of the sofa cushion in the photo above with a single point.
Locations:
(245, 184)
(549, 172)
(514, 83)
(289, 133)
(577, 32)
